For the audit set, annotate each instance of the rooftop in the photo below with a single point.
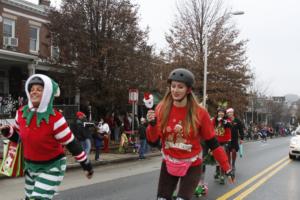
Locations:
(26, 5)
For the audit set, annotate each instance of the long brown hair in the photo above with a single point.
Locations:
(191, 120)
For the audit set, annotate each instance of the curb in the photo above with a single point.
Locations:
(104, 162)
(115, 161)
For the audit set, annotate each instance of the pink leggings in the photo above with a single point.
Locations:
(188, 183)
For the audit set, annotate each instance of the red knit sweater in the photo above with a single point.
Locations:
(222, 129)
(176, 144)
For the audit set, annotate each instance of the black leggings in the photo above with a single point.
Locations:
(188, 183)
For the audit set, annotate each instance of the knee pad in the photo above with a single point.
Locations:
(179, 198)
(161, 198)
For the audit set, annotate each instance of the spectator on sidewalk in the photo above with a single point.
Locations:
(98, 141)
(142, 137)
(109, 119)
(127, 122)
(118, 124)
(124, 141)
(105, 131)
(83, 133)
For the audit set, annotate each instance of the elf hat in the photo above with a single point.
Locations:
(229, 110)
(45, 108)
(148, 100)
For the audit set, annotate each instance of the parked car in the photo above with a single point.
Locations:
(294, 150)
(294, 132)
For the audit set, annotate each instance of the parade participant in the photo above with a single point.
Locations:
(44, 132)
(222, 129)
(181, 123)
(237, 135)
(202, 188)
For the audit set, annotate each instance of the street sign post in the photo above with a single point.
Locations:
(133, 95)
(133, 98)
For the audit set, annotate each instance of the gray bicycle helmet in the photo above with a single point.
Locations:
(182, 75)
(35, 81)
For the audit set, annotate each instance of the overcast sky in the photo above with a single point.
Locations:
(271, 26)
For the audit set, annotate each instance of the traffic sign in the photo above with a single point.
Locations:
(133, 95)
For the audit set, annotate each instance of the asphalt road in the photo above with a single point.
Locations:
(264, 172)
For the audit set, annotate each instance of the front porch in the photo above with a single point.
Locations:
(15, 68)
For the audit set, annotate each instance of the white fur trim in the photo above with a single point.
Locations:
(57, 94)
(47, 93)
(229, 110)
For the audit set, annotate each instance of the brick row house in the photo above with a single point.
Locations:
(25, 49)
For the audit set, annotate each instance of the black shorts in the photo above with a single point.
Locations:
(234, 144)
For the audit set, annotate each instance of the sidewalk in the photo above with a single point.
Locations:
(110, 158)
(106, 159)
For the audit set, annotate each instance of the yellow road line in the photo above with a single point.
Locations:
(249, 181)
(260, 182)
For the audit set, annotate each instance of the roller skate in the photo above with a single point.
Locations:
(201, 190)
(222, 180)
(174, 195)
(217, 175)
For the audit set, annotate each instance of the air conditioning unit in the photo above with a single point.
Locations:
(10, 41)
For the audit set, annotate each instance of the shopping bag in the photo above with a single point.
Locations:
(13, 161)
(241, 150)
(20, 164)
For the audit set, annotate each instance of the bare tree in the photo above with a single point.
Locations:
(104, 48)
(228, 71)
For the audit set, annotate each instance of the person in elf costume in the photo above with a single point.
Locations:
(44, 132)
(222, 127)
(181, 123)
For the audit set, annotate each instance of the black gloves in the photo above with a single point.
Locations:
(5, 131)
(87, 166)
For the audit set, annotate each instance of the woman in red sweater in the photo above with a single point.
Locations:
(222, 126)
(181, 123)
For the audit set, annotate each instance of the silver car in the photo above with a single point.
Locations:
(294, 151)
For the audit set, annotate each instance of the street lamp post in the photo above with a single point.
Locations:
(205, 70)
(205, 61)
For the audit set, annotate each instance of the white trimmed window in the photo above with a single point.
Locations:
(54, 52)
(9, 27)
(34, 34)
